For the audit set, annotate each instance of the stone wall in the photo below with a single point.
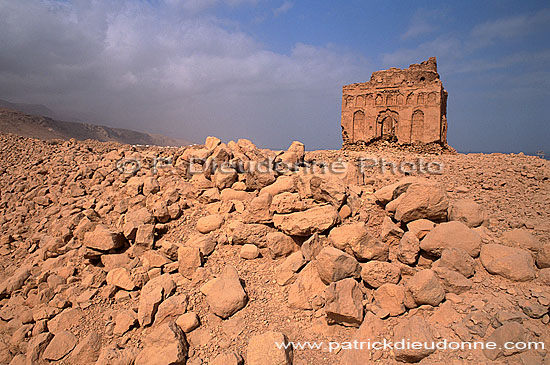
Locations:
(408, 105)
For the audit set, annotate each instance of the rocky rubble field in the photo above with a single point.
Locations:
(118, 254)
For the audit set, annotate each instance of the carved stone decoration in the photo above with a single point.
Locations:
(406, 105)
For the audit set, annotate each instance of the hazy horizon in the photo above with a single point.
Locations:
(272, 71)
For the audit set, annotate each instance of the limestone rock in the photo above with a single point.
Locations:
(414, 329)
(225, 294)
(189, 259)
(356, 240)
(286, 272)
(60, 345)
(424, 200)
(509, 332)
(240, 233)
(228, 358)
(449, 235)
(209, 223)
(206, 243)
(452, 281)
(103, 239)
(510, 262)
(286, 202)
(377, 273)
(408, 248)
(420, 227)
(121, 278)
(280, 245)
(112, 355)
(391, 297)
(262, 350)
(425, 288)
(458, 260)
(521, 238)
(307, 290)
(313, 220)
(333, 265)
(259, 210)
(165, 344)
(344, 303)
(124, 320)
(468, 212)
(15, 281)
(36, 347)
(371, 328)
(88, 349)
(249, 252)
(149, 299)
(171, 308)
(543, 257)
(188, 321)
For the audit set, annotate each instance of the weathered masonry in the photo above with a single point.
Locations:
(408, 105)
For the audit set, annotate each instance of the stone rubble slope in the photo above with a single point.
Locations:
(202, 255)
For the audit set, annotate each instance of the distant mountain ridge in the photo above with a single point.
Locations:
(36, 121)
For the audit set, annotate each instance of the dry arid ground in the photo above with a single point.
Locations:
(104, 261)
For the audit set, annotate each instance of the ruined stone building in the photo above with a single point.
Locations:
(408, 105)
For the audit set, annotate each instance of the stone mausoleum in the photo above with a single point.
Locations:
(407, 106)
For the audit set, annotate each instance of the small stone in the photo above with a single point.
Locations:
(209, 223)
(188, 321)
(249, 252)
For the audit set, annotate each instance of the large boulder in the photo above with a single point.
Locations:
(510, 262)
(377, 273)
(543, 257)
(521, 238)
(510, 332)
(313, 220)
(422, 200)
(307, 290)
(468, 212)
(255, 234)
(371, 328)
(225, 294)
(344, 303)
(408, 248)
(269, 348)
(414, 329)
(165, 344)
(103, 239)
(391, 297)
(209, 223)
(449, 235)
(356, 240)
(333, 265)
(458, 260)
(61, 344)
(425, 288)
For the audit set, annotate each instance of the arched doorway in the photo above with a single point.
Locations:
(359, 126)
(386, 124)
(417, 126)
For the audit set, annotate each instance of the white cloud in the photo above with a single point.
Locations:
(509, 27)
(424, 21)
(285, 6)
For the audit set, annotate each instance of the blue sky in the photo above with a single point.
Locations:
(272, 71)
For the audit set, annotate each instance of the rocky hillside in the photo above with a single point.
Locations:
(113, 254)
(42, 127)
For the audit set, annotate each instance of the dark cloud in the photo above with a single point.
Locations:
(170, 68)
